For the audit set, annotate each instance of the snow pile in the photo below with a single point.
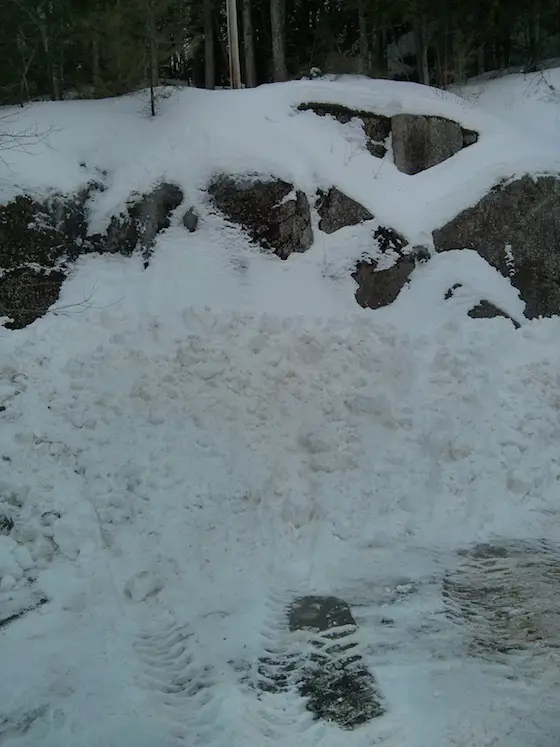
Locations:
(214, 435)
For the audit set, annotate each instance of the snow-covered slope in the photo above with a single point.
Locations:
(204, 440)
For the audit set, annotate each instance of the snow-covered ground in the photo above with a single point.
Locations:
(198, 443)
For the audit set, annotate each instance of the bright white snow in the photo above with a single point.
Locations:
(185, 448)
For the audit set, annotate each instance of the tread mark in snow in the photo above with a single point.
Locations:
(507, 594)
(15, 605)
(324, 663)
(282, 718)
(182, 684)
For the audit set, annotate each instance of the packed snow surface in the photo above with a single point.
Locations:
(186, 449)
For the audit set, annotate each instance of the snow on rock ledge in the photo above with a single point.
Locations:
(377, 128)
(516, 229)
(418, 142)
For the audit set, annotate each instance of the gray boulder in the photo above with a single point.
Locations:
(337, 210)
(378, 288)
(470, 137)
(516, 228)
(190, 220)
(487, 310)
(272, 212)
(376, 127)
(422, 142)
(146, 216)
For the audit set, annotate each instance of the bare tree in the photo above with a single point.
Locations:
(16, 138)
(421, 42)
(41, 20)
(278, 24)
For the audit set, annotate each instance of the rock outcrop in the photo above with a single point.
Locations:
(337, 210)
(273, 213)
(378, 287)
(377, 128)
(418, 142)
(422, 142)
(487, 310)
(516, 228)
(145, 217)
(40, 240)
(190, 220)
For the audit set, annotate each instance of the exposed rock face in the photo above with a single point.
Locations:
(337, 210)
(487, 310)
(27, 294)
(145, 217)
(377, 288)
(470, 137)
(273, 213)
(422, 142)
(39, 240)
(190, 220)
(516, 228)
(42, 233)
(376, 127)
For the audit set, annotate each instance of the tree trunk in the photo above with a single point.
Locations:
(534, 37)
(421, 41)
(278, 22)
(380, 51)
(459, 52)
(153, 59)
(53, 74)
(442, 57)
(365, 61)
(119, 47)
(209, 51)
(233, 44)
(481, 67)
(249, 45)
(96, 66)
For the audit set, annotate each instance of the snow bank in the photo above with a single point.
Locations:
(201, 441)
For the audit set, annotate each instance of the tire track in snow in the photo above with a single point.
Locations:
(282, 710)
(506, 594)
(177, 679)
